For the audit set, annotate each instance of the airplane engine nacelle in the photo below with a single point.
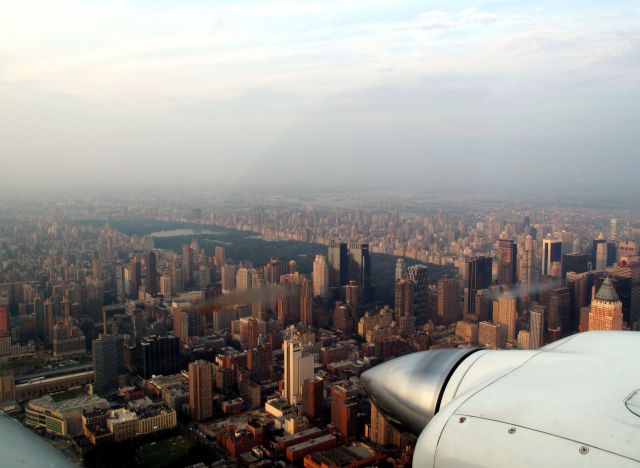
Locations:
(575, 402)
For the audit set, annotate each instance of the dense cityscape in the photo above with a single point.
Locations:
(207, 330)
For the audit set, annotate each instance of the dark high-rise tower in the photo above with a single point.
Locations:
(576, 262)
(158, 355)
(404, 296)
(477, 276)
(344, 411)
(200, 390)
(312, 397)
(338, 264)
(551, 253)
(507, 262)
(151, 274)
(273, 271)
(351, 262)
(135, 276)
(610, 253)
(419, 274)
(187, 265)
(107, 360)
(448, 300)
(559, 310)
(306, 302)
(360, 269)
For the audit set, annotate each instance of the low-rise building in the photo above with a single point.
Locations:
(298, 452)
(44, 385)
(63, 417)
(355, 455)
(127, 424)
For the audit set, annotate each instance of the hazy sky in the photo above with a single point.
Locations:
(543, 94)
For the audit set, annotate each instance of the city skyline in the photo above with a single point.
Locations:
(131, 320)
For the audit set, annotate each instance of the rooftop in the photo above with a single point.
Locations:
(311, 443)
(122, 414)
(607, 292)
(72, 404)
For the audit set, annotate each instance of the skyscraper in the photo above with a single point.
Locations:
(601, 256)
(527, 262)
(219, 257)
(504, 313)
(381, 431)
(448, 300)
(135, 276)
(606, 309)
(524, 339)
(551, 253)
(4, 320)
(151, 273)
(613, 230)
(158, 355)
(627, 249)
(419, 274)
(490, 334)
(623, 285)
(404, 296)
(351, 262)
(575, 262)
(243, 279)
(629, 269)
(344, 411)
(273, 271)
(187, 266)
(579, 285)
(507, 256)
(401, 269)
(288, 300)
(228, 277)
(559, 310)
(352, 294)
(107, 360)
(306, 302)
(603, 253)
(259, 362)
(320, 277)
(477, 276)
(120, 287)
(38, 310)
(200, 390)
(360, 269)
(298, 367)
(313, 397)
(536, 326)
(567, 238)
(339, 264)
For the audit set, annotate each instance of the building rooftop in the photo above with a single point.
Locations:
(345, 455)
(312, 432)
(154, 410)
(122, 414)
(311, 443)
(71, 405)
(607, 292)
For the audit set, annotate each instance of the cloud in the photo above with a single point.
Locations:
(219, 86)
(434, 20)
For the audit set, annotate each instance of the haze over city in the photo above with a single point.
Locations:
(319, 234)
(468, 95)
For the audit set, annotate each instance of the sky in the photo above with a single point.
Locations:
(312, 94)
